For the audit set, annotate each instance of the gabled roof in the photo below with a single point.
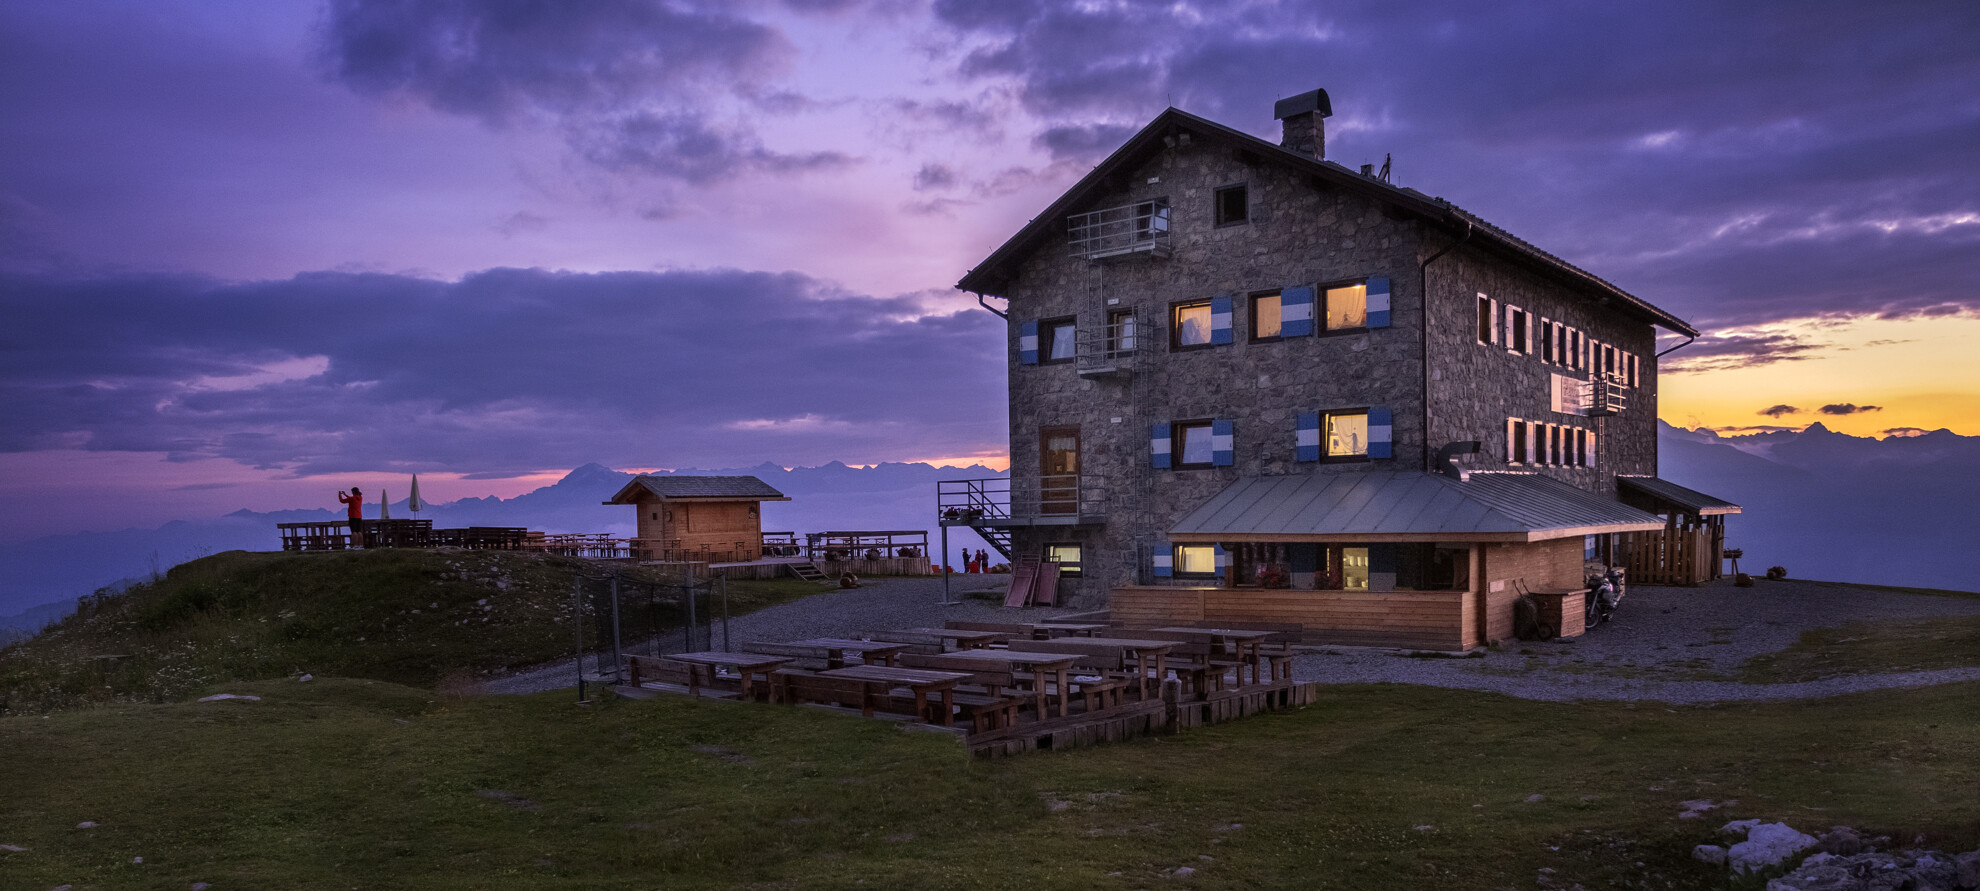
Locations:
(1406, 506)
(706, 488)
(993, 274)
(1692, 501)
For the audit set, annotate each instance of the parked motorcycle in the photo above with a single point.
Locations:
(1605, 592)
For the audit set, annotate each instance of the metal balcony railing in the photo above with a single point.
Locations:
(1141, 228)
(1109, 349)
(1608, 394)
(1068, 498)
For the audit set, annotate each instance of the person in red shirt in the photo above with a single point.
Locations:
(356, 502)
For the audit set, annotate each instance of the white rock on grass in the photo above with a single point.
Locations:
(306, 678)
(1768, 844)
(86, 824)
(13, 849)
(1712, 854)
(219, 697)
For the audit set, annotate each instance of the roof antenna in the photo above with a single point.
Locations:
(1386, 158)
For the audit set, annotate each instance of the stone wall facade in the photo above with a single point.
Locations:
(1301, 231)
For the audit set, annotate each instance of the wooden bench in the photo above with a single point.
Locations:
(648, 672)
(1277, 650)
(917, 643)
(984, 713)
(797, 686)
(1202, 667)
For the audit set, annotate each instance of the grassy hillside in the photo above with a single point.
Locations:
(405, 616)
(342, 783)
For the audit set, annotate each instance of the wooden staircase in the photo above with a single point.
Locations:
(807, 571)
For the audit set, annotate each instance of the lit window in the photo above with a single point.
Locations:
(1354, 569)
(1193, 446)
(1347, 307)
(1233, 205)
(1347, 434)
(1067, 556)
(1059, 342)
(1266, 317)
(1193, 559)
(1191, 324)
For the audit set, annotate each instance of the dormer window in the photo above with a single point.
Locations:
(1233, 205)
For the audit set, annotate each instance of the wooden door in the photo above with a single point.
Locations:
(1058, 470)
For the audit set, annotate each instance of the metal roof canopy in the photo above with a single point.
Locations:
(1406, 506)
(1692, 501)
(705, 488)
(991, 276)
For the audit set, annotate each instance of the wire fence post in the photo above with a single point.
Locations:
(687, 576)
(618, 660)
(577, 623)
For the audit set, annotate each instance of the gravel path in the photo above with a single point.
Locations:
(1673, 645)
(878, 605)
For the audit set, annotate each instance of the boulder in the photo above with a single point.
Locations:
(1767, 845)
(1712, 854)
(1843, 841)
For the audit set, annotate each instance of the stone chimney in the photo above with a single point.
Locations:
(1304, 117)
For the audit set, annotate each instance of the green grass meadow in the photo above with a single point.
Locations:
(353, 783)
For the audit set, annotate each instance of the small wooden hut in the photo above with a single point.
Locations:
(708, 519)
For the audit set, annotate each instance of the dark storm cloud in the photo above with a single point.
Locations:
(1847, 408)
(634, 84)
(935, 176)
(1717, 352)
(1778, 411)
(1071, 142)
(1735, 164)
(505, 371)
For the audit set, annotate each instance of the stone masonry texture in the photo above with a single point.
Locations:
(1301, 231)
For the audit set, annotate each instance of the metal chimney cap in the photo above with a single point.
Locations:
(1315, 101)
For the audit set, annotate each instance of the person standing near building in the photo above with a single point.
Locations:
(982, 561)
(355, 501)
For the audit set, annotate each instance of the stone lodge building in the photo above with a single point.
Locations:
(1249, 383)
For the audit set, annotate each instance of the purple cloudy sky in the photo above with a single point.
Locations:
(252, 251)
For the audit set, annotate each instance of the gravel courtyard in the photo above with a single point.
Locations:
(1674, 645)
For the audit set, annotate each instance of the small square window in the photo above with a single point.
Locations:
(1347, 435)
(1195, 560)
(1347, 307)
(1267, 317)
(1067, 555)
(1057, 342)
(1189, 325)
(1233, 205)
(1192, 444)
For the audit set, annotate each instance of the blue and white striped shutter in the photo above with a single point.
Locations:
(1306, 437)
(1158, 446)
(1223, 558)
(1296, 312)
(1220, 320)
(1164, 560)
(1380, 432)
(1223, 444)
(1378, 302)
(1028, 343)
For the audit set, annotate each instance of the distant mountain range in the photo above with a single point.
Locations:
(831, 497)
(1896, 511)
(1903, 510)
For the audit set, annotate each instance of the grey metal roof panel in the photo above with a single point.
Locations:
(1495, 505)
(1690, 499)
(742, 487)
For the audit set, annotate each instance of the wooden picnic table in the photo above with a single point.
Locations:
(1142, 650)
(1038, 663)
(1246, 641)
(965, 640)
(745, 665)
(919, 680)
(1068, 629)
(834, 650)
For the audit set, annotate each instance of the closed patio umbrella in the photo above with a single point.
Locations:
(384, 505)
